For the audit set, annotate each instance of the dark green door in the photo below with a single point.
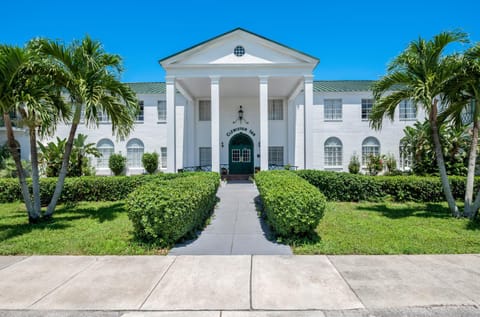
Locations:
(240, 156)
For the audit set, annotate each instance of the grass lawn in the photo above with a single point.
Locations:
(98, 228)
(391, 228)
(347, 228)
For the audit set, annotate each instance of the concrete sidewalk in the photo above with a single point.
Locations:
(240, 286)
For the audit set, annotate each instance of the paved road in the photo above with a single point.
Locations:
(240, 286)
(235, 228)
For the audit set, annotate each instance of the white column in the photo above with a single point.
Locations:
(171, 131)
(308, 121)
(263, 122)
(215, 122)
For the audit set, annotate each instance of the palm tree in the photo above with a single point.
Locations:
(27, 88)
(463, 95)
(91, 78)
(419, 73)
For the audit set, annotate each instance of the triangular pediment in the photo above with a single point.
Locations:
(221, 50)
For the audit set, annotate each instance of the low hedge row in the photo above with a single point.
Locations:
(164, 212)
(293, 207)
(349, 187)
(87, 188)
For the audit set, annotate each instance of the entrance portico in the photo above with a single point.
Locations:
(271, 84)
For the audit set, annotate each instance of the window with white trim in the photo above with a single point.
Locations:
(370, 146)
(333, 152)
(275, 155)
(367, 105)
(205, 155)
(468, 112)
(162, 110)
(406, 158)
(106, 148)
(163, 157)
(408, 111)
(275, 109)
(102, 116)
(204, 110)
(332, 109)
(134, 153)
(140, 114)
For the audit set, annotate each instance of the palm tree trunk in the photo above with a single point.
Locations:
(472, 159)
(12, 144)
(35, 173)
(441, 162)
(66, 158)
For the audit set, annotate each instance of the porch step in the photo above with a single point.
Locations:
(237, 177)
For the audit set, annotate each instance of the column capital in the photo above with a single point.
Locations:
(308, 79)
(215, 79)
(263, 79)
(170, 79)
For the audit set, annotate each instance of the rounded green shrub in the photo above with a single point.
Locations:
(165, 211)
(150, 162)
(292, 206)
(117, 163)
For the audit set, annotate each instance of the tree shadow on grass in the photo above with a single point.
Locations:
(431, 210)
(101, 214)
(61, 220)
(473, 225)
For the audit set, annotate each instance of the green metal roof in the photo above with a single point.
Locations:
(318, 86)
(342, 85)
(148, 88)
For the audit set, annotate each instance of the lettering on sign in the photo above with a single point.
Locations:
(240, 129)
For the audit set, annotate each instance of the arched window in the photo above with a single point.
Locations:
(106, 148)
(134, 153)
(370, 146)
(333, 152)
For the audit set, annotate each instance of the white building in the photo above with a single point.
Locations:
(241, 101)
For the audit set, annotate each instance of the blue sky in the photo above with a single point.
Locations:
(352, 39)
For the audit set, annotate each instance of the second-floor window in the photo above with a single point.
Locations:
(408, 111)
(332, 109)
(140, 113)
(275, 109)
(367, 105)
(204, 110)
(162, 110)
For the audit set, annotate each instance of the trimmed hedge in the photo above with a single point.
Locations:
(86, 188)
(349, 187)
(164, 212)
(293, 207)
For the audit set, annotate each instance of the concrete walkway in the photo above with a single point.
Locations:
(240, 286)
(235, 228)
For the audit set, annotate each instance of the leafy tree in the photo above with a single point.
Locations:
(52, 156)
(418, 144)
(391, 163)
(117, 163)
(9, 170)
(463, 96)
(420, 73)
(354, 165)
(374, 164)
(27, 87)
(79, 162)
(90, 76)
(4, 154)
(150, 162)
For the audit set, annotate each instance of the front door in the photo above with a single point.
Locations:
(240, 157)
